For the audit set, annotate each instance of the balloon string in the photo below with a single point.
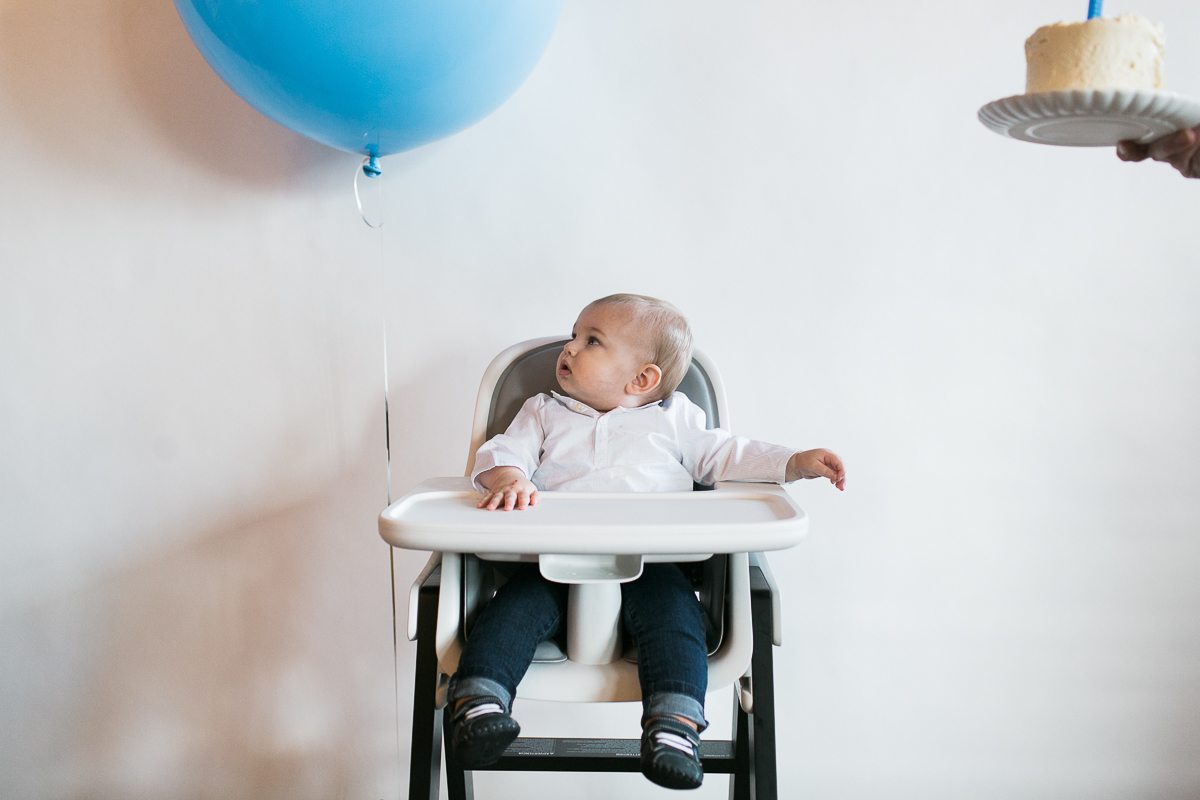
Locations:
(370, 168)
(387, 421)
(387, 446)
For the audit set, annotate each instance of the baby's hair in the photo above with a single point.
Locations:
(670, 336)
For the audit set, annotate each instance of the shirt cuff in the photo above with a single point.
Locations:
(486, 461)
(769, 466)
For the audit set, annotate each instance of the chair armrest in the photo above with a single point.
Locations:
(434, 562)
(448, 638)
(760, 560)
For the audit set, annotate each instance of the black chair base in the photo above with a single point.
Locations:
(749, 756)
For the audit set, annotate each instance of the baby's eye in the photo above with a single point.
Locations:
(593, 340)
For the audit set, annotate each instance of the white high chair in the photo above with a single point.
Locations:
(588, 540)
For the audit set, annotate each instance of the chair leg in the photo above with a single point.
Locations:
(425, 760)
(762, 737)
(740, 781)
(459, 783)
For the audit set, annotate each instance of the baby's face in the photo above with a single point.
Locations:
(606, 352)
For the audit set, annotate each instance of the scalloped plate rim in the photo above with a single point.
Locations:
(1186, 113)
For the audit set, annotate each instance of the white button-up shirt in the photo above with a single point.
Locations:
(562, 444)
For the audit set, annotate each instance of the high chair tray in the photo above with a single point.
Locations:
(440, 514)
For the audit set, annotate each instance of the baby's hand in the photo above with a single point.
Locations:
(519, 493)
(817, 463)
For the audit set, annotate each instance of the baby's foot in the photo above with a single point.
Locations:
(480, 730)
(671, 753)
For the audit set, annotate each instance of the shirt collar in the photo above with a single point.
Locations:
(583, 408)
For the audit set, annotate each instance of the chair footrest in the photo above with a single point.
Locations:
(598, 755)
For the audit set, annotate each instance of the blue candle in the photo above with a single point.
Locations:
(1095, 8)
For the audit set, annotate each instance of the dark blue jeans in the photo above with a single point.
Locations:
(661, 615)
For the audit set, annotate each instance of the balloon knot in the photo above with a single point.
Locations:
(371, 167)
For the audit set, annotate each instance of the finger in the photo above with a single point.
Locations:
(510, 499)
(533, 497)
(823, 470)
(1166, 148)
(493, 500)
(1182, 159)
(522, 499)
(1180, 163)
(1132, 151)
(838, 478)
(831, 460)
(1193, 167)
(1187, 162)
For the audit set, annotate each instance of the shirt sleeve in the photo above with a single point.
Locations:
(520, 446)
(713, 455)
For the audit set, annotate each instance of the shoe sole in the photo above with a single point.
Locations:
(485, 742)
(670, 777)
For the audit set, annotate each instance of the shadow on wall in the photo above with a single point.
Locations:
(251, 661)
(251, 656)
(94, 80)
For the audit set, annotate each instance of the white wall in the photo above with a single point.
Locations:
(999, 338)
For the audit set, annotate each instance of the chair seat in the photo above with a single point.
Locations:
(549, 652)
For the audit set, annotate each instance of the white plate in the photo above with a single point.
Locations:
(1090, 118)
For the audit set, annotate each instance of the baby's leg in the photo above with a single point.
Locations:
(665, 620)
(500, 646)
(526, 611)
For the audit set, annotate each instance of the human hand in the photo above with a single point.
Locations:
(1180, 149)
(819, 463)
(507, 489)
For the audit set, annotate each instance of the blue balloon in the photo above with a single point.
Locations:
(372, 76)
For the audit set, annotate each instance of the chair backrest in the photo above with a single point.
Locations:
(526, 369)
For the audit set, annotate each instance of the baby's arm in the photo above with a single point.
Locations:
(817, 463)
(714, 454)
(506, 488)
(504, 464)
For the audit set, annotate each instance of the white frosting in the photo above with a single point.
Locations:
(1104, 53)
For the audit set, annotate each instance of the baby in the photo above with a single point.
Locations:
(619, 425)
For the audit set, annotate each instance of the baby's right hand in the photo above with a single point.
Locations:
(520, 493)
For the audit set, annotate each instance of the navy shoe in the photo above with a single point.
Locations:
(480, 731)
(671, 754)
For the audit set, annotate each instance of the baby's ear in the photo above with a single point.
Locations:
(646, 381)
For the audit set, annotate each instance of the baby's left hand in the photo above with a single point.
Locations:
(819, 463)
